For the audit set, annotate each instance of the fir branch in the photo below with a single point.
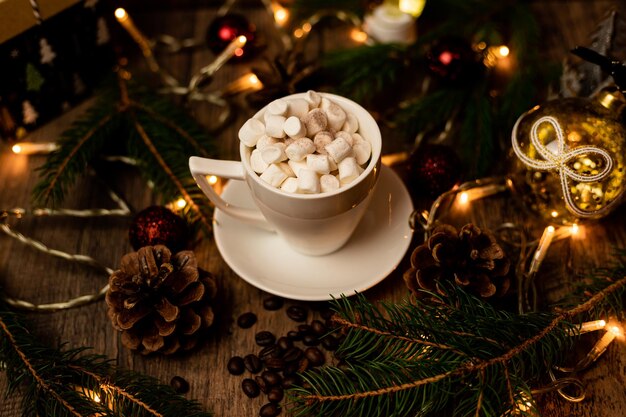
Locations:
(58, 383)
(388, 373)
(168, 138)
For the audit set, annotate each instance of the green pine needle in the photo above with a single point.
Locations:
(459, 356)
(130, 120)
(61, 383)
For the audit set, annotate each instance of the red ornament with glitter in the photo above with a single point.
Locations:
(433, 170)
(157, 225)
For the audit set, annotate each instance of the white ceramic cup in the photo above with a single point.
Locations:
(313, 224)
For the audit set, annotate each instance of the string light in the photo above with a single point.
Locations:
(412, 7)
(247, 82)
(358, 35)
(467, 196)
(281, 15)
(127, 23)
(542, 249)
(30, 148)
(591, 326)
(181, 203)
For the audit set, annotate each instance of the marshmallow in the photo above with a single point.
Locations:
(351, 125)
(362, 149)
(290, 185)
(315, 122)
(296, 166)
(308, 182)
(272, 154)
(298, 107)
(274, 175)
(329, 183)
(287, 169)
(313, 98)
(322, 139)
(318, 163)
(251, 131)
(338, 149)
(274, 126)
(332, 164)
(348, 170)
(277, 107)
(294, 128)
(257, 163)
(347, 136)
(264, 141)
(335, 114)
(288, 141)
(299, 149)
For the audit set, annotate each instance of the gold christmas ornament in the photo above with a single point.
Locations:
(568, 160)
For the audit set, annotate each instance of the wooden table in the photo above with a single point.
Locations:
(27, 274)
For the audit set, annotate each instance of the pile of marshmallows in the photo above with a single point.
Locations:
(306, 145)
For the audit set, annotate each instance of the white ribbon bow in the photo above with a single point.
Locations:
(558, 161)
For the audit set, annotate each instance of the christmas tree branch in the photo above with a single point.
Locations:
(69, 383)
(388, 374)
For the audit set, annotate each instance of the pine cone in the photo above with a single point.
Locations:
(160, 302)
(471, 258)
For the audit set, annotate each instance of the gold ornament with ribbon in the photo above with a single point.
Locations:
(569, 157)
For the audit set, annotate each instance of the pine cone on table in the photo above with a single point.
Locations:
(471, 258)
(160, 302)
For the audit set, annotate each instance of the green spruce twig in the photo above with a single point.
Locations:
(70, 383)
(128, 119)
(457, 357)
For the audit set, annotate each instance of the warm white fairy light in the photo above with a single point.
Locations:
(30, 148)
(591, 326)
(358, 35)
(181, 203)
(504, 51)
(281, 15)
(247, 82)
(412, 7)
(574, 229)
(542, 249)
(476, 193)
(464, 198)
(212, 179)
(613, 331)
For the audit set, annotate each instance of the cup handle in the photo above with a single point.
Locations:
(201, 167)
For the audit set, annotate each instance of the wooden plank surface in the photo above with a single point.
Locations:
(27, 274)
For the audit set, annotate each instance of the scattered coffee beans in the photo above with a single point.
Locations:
(315, 356)
(253, 363)
(270, 410)
(246, 320)
(235, 365)
(250, 388)
(180, 385)
(275, 395)
(297, 313)
(273, 303)
(265, 338)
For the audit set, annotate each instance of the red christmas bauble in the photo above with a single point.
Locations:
(453, 60)
(224, 29)
(157, 225)
(433, 170)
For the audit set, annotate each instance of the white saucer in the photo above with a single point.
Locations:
(264, 260)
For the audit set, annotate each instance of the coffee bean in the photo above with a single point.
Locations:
(304, 328)
(261, 383)
(246, 320)
(318, 328)
(268, 351)
(270, 410)
(291, 368)
(277, 364)
(275, 395)
(330, 343)
(272, 378)
(273, 303)
(293, 354)
(310, 339)
(327, 314)
(250, 388)
(303, 364)
(235, 365)
(314, 356)
(180, 385)
(265, 338)
(253, 363)
(294, 335)
(291, 381)
(297, 313)
(284, 343)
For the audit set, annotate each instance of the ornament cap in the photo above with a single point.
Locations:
(613, 67)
